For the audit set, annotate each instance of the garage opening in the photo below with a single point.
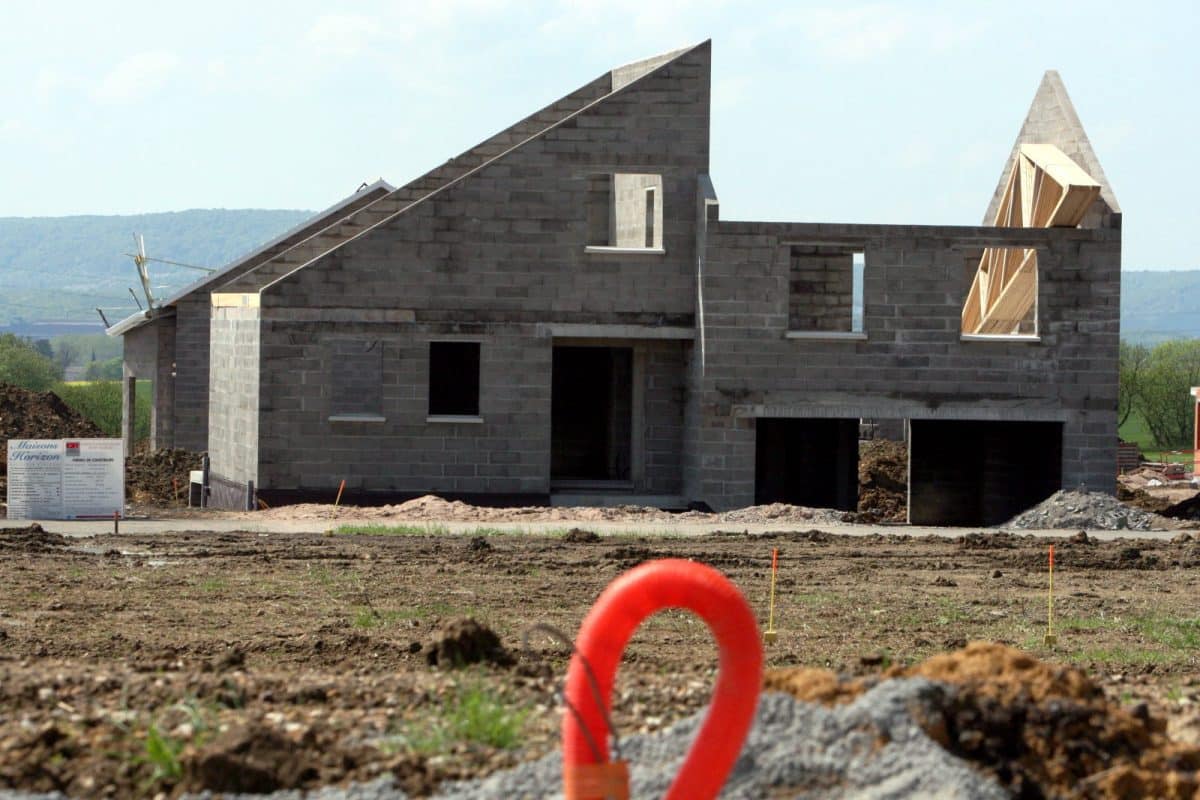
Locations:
(966, 472)
(807, 462)
(591, 415)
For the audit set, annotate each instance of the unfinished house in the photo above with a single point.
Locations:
(566, 318)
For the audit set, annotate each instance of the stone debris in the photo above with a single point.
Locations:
(1087, 510)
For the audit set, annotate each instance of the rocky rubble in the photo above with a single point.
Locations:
(1086, 510)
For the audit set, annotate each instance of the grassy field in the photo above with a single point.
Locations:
(1135, 430)
(100, 402)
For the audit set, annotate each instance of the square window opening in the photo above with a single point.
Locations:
(454, 378)
(625, 210)
(1002, 300)
(825, 289)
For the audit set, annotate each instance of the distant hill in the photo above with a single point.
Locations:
(60, 268)
(54, 271)
(1160, 305)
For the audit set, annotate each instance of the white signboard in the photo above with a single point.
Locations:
(65, 478)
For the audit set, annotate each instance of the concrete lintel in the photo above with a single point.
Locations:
(572, 330)
(386, 315)
(1000, 337)
(903, 410)
(624, 251)
(357, 418)
(829, 336)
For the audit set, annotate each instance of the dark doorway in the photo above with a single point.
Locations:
(968, 472)
(807, 462)
(591, 414)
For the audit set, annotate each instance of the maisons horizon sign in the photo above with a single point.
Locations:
(65, 478)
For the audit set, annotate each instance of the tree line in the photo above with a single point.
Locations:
(37, 365)
(1155, 384)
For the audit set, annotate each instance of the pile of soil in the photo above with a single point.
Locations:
(30, 540)
(159, 477)
(431, 508)
(39, 415)
(466, 641)
(882, 481)
(1041, 730)
(1184, 509)
(1088, 510)
(1140, 498)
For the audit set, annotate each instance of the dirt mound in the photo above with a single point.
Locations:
(883, 481)
(580, 536)
(1140, 498)
(39, 415)
(1082, 509)
(249, 758)
(160, 477)
(430, 508)
(1041, 730)
(1184, 509)
(30, 540)
(466, 641)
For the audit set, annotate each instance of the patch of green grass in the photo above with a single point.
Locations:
(1118, 655)
(1136, 430)
(1174, 633)
(949, 613)
(1068, 624)
(474, 715)
(162, 753)
(817, 598)
(428, 529)
(368, 617)
(213, 585)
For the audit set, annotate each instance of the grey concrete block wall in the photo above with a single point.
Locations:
(914, 363)
(234, 389)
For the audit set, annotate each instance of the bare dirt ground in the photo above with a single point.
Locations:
(134, 665)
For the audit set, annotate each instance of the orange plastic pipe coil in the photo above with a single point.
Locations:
(621, 608)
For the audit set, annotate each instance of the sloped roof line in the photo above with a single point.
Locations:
(1091, 163)
(141, 317)
(270, 269)
(1052, 119)
(675, 56)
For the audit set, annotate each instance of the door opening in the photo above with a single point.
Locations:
(591, 414)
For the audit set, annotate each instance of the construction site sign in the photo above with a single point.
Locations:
(65, 478)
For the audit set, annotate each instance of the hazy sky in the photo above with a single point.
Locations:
(838, 111)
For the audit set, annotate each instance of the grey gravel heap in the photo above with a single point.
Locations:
(1075, 510)
(870, 749)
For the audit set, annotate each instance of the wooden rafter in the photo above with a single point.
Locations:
(1045, 189)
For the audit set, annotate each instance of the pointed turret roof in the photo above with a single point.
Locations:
(1052, 120)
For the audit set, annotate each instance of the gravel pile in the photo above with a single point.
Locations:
(1085, 510)
(871, 748)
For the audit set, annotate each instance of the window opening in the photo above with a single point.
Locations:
(454, 378)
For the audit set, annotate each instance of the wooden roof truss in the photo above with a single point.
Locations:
(1045, 189)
